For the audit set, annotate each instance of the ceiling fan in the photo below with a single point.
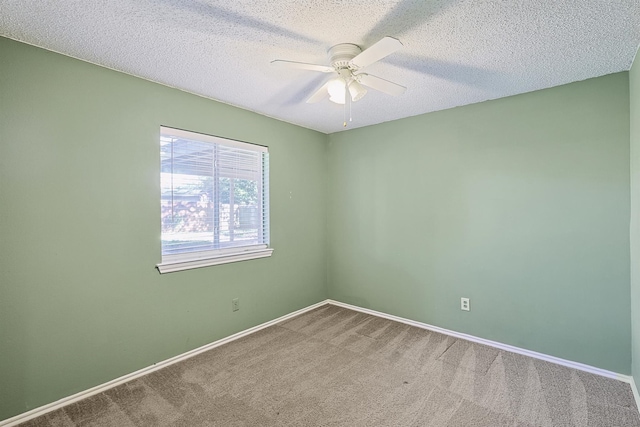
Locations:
(347, 60)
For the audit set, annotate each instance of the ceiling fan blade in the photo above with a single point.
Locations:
(319, 94)
(382, 85)
(302, 66)
(379, 50)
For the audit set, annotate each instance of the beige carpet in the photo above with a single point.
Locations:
(337, 367)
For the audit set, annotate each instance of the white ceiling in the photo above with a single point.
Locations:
(456, 52)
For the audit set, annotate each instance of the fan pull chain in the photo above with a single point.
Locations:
(347, 96)
(350, 119)
(346, 99)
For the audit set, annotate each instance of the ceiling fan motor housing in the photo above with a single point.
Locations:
(342, 53)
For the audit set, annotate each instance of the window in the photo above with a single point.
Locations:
(214, 200)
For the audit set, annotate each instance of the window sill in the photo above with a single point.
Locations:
(170, 267)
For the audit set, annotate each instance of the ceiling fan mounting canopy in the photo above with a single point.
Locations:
(340, 55)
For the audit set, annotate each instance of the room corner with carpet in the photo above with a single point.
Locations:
(335, 365)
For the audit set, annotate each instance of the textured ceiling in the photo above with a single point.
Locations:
(456, 52)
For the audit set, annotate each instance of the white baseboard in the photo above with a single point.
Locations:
(42, 410)
(506, 347)
(636, 396)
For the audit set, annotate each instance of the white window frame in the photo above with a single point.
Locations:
(189, 260)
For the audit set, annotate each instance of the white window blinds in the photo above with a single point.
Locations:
(214, 196)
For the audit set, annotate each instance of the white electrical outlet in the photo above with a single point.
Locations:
(235, 304)
(464, 304)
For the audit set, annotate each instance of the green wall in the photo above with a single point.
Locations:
(634, 98)
(520, 204)
(80, 300)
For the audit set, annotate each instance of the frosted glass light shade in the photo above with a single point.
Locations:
(357, 91)
(336, 90)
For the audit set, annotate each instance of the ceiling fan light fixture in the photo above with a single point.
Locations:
(357, 91)
(347, 61)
